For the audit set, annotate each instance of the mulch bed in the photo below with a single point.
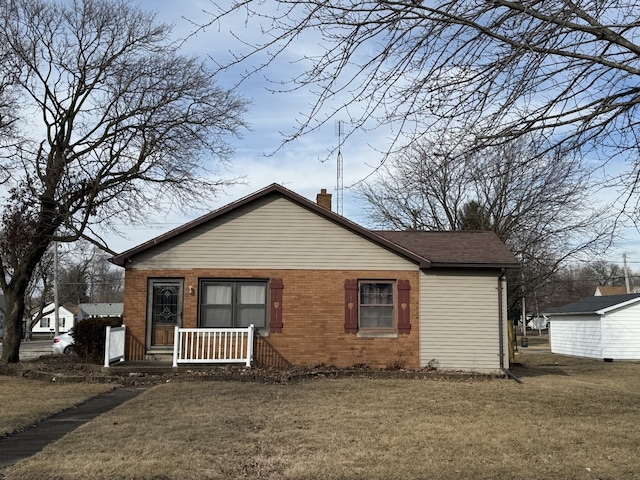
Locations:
(71, 369)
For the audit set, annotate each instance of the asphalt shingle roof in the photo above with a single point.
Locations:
(473, 249)
(102, 309)
(593, 304)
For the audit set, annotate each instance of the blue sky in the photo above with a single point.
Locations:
(304, 166)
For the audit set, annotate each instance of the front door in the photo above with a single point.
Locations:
(165, 311)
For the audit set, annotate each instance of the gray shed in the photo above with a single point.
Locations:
(605, 327)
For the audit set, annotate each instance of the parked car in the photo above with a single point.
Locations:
(63, 343)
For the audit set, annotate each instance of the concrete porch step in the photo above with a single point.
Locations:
(164, 357)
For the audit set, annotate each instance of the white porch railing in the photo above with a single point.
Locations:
(114, 345)
(213, 345)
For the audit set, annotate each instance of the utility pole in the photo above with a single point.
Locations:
(56, 306)
(626, 273)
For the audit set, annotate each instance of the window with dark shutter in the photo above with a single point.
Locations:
(377, 307)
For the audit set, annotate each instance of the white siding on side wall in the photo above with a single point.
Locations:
(270, 233)
(577, 335)
(459, 327)
(621, 334)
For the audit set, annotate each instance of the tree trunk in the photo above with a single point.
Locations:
(14, 298)
(15, 292)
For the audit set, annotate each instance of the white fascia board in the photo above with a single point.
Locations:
(617, 306)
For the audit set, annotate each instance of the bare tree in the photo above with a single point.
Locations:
(106, 283)
(568, 70)
(114, 124)
(574, 281)
(540, 206)
(86, 275)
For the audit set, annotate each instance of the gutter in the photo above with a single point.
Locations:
(501, 330)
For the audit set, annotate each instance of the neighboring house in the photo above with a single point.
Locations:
(66, 319)
(321, 289)
(605, 290)
(99, 310)
(605, 327)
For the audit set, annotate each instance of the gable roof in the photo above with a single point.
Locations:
(605, 290)
(102, 309)
(468, 249)
(596, 304)
(50, 309)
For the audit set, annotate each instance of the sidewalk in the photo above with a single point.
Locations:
(30, 441)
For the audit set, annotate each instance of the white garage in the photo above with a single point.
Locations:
(605, 327)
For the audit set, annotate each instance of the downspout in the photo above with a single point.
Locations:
(501, 330)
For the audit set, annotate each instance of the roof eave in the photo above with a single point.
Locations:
(491, 266)
(605, 310)
(551, 314)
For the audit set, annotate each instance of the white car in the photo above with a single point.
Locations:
(62, 343)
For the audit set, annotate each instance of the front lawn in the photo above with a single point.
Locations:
(23, 402)
(570, 419)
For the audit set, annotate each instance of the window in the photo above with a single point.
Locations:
(44, 323)
(226, 304)
(376, 305)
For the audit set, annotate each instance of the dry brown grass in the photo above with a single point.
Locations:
(570, 419)
(24, 402)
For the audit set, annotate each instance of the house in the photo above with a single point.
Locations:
(321, 289)
(66, 319)
(605, 327)
(99, 310)
(604, 290)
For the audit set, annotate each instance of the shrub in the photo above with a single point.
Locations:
(89, 336)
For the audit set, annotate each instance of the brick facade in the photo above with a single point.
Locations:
(313, 316)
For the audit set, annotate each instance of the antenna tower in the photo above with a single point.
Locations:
(339, 177)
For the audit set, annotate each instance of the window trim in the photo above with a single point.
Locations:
(379, 331)
(234, 283)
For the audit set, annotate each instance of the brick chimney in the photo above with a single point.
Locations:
(324, 199)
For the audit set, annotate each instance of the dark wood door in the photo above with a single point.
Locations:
(166, 311)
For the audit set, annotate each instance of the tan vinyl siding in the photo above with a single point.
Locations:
(459, 321)
(271, 233)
